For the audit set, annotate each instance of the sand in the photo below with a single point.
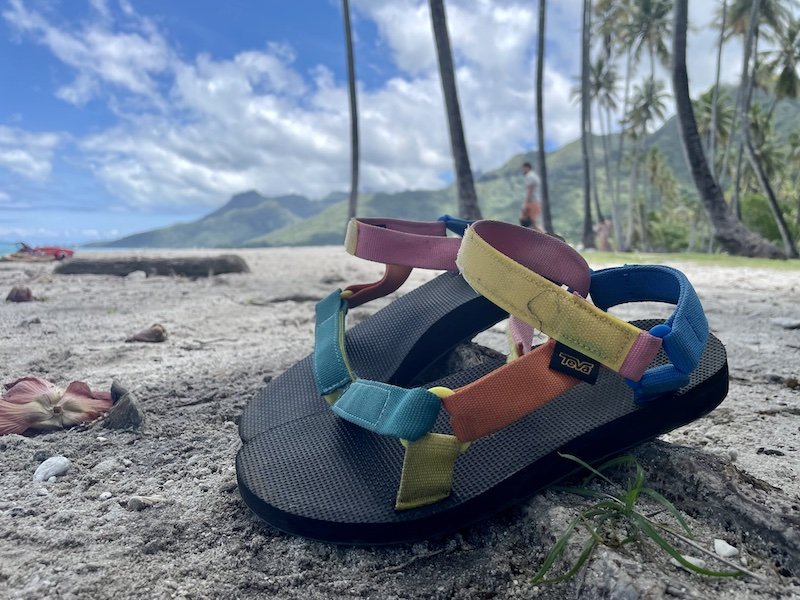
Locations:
(76, 537)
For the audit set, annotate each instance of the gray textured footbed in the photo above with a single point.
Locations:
(393, 346)
(325, 478)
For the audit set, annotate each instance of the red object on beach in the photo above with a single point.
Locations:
(56, 252)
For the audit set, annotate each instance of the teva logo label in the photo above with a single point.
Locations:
(570, 362)
(581, 366)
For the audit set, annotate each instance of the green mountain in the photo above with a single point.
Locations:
(252, 220)
(246, 216)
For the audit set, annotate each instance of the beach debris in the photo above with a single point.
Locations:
(786, 322)
(20, 293)
(724, 549)
(55, 466)
(34, 403)
(136, 503)
(126, 413)
(697, 562)
(154, 334)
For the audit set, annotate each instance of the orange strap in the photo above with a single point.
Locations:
(506, 394)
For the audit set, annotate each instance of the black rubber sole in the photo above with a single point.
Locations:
(393, 346)
(325, 479)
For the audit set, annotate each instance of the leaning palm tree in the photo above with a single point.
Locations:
(351, 78)
(712, 141)
(547, 219)
(728, 231)
(467, 198)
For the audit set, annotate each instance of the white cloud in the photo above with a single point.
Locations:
(128, 60)
(27, 154)
(210, 127)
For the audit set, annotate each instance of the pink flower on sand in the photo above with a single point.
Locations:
(35, 403)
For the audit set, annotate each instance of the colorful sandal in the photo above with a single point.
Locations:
(419, 327)
(340, 475)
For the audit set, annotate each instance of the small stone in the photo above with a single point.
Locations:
(19, 293)
(724, 549)
(697, 562)
(42, 491)
(733, 455)
(136, 275)
(51, 468)
(792, 383)
(52, 479)
(105, 495)
(786, 322)
(125, 414)
(770, 452)
(100, 438)
(136, 503)
(154, 334)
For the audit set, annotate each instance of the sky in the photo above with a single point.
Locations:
(118, 116)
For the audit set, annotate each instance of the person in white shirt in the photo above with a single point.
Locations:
(531, 205)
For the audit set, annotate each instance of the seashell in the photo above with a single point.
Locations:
(54, 466)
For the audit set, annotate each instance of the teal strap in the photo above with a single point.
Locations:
(388, 409)
(331, 370)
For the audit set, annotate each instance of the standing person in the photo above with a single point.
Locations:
(531, 205)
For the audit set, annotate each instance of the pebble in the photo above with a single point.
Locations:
(786, 322)
(724, 549)
(733, 455)
(697, 562)
(42, 492)
(105, 495)
(142, 502)
(51, 468)
(100, 438)
(125, 414)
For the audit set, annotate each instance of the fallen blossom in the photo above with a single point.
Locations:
(34, 403)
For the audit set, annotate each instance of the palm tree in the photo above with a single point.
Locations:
(728, 231)
(603, 90)
(650, 29)
(647, 107)
(713, 112)
(588, 229)
(613, 24)
(351, 78)
(467, 198)
(712, 142)
(744, 18)
(785, 60)
(547, 219)
(765, 160)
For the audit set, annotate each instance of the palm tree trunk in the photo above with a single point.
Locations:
(712, 143)
(547, 219)
(467, 198)
(743, 83)
(620, 151)
(593, 170)
(588, 230)
(748, 98)
(731, 233)
(615, 207)
(354, 144)
(789, 246)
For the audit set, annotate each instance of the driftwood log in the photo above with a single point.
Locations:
(193, 267)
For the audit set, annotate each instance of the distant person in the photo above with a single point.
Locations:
(531, 204)
(602, 231)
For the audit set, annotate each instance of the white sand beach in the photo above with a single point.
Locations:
(76, 537)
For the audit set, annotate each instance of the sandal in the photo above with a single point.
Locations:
(420, 327)
(386, 465)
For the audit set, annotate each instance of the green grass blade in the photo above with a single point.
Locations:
(555, 552)
(669, 506)
(588, 467)
(653, 534)
(588, 549)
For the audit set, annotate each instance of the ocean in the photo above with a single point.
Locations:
(7, 248)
